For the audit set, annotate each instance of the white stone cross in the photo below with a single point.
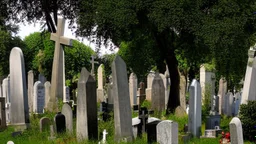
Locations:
(104, 136)
(93, 62)
(58, 68)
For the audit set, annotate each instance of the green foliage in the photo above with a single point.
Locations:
(247, 116)
(224, 123)
(107, 60)
(146, 104)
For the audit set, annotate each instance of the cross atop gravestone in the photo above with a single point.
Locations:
(58, 69)
(93, 62)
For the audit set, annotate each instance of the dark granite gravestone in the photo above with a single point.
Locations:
(212, 121)
(60, 123)
(151, 131)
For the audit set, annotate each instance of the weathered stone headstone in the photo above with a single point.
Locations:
(18, 95)
(180, 112)
(183, 92)
(158, 94)
(229, 103)
(67, 112)
(236, 131)
(167, 132)
(47, 86)
(249, 91)
(207, 82)
(39, 98)
(237, 103)
(221, 93)
(87, 122)
(100, 90)
(110, 99)
(66, 97)
(44, 124)
(150, 78)
(58, 69)
(60, 122)
(122, 106)
(133, 85)
(166, 87)
(2, 114)
(195, 109)
(41, 78)
(30, 90)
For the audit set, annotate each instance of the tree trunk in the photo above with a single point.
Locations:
(174, 95)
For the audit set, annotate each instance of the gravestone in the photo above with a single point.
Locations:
(133, 85)
(229, 99)
(67, 112)
(2, 114)
(207, 82)
(214, 105)
(100, 90)
(158, 94)
(47, 87)
(6, 95)
(41, 78)
(30, 90)
(183, 92)
(236, 131)
(237, 103)
(135, 126)
(60, 122)
(86, 121)
(221, 93)
(212, 121)
(166, 87)
(122, 106)
(141, 94)
(249, 91)
(180, 112)
(19, 113)
(58, 66)
(66, 97)
(150, 78)
(195, 109)
(39, 98)
(167, 132)
(110, 99)
(44, 124)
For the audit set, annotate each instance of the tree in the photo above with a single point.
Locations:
(200, 30)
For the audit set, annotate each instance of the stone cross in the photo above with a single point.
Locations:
(236, 131)
(18, 95)
(104, 136)
(143, 116)
(58, 66)
(195, 109)
(93, 62)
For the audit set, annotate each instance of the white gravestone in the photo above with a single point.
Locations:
(133, 85)
(100, 90)
(58, 66)
(249, 91)
(150, 78)
(167, 132)
(67, 112)
(18, 94)
(236, 131)
(122, 106)
(6, 95)
(195, 109)
(47, 87)
(30, 90)
(39, 98)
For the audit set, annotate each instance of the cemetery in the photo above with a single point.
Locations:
(174, 80)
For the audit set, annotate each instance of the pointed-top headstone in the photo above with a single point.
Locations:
(195, 109)
(18, 94)
(67, 112)
(122, 107)
(58, 67)
(87, 122)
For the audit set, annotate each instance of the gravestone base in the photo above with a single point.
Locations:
(210, 133)
(100, 95)
(212, 121)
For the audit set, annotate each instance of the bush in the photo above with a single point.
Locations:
(247, 116)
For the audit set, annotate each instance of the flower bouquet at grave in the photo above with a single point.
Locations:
(225, 139)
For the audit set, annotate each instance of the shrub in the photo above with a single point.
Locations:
(247, 116)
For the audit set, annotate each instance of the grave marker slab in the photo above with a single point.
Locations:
(87, 121)
(195, 109)
(183, 92)
(221, 93)
(236, 131)
(60, 122)
(167, 132)
(66, 97)
(30, 90)
(158, 94)
(44, 124)
(122, 106)
(47, 86)
(39, 98)
(133, 85)
(150, 78)
(100, 90)
(67, 112)
(18, 95)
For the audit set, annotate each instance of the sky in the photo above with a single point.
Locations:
(26, 29)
